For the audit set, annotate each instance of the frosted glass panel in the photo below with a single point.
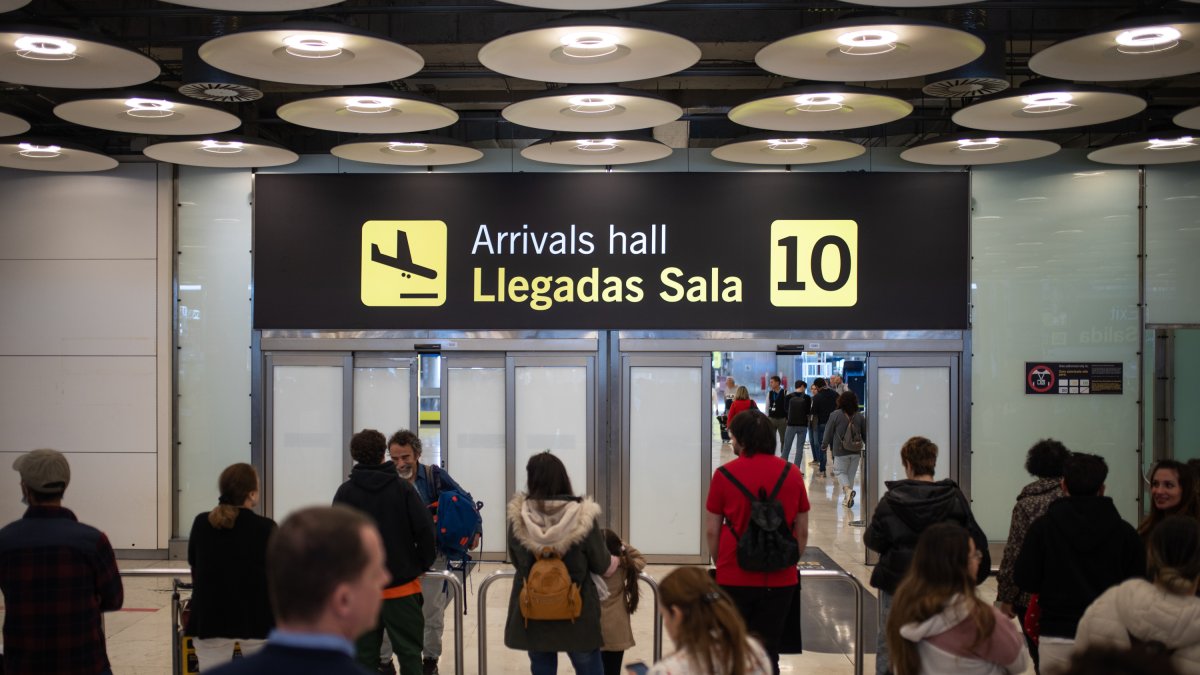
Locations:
(912, 402)
(1172, 241)
(213, 321)
(1054, 248)
(664, 440)
(552, 415)
(1186, 383)
(307, 437)
(475, 436)
(382, 399)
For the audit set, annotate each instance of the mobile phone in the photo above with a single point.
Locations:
(636, 668)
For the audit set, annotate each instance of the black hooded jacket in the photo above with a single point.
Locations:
(1075, 552)
(907, 508)
(404, 522)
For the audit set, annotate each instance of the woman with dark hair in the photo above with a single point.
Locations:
(939, 624)
(709, 634)
(763, 597)
(1044, 462)
(837, 432)
(622, 601)
(1163, 613)
(227, 550)
(549, 521)
(1172, 492)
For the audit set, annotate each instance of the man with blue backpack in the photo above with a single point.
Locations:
(457, 525)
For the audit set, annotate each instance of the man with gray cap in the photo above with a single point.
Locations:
(58, 575)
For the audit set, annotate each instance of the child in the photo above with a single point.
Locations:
(622, 600)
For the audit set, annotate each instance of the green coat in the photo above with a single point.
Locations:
(573, 530)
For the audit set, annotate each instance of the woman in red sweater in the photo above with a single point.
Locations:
(741, 401)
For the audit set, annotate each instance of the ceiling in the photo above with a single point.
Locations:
(448, 35)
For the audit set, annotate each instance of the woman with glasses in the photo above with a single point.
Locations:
(939, 624)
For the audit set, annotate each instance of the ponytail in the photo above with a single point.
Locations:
(631, 593)
(236, 483)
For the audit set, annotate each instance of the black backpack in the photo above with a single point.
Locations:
(768, 544)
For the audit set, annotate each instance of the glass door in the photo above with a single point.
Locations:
(666, 454)
(384, 393)
(307, 434)
(553, 408)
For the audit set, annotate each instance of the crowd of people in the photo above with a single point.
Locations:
(340, 589)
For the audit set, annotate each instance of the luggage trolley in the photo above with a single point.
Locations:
(183, 655)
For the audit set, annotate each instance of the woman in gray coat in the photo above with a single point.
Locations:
(549, 515)
(845, 459)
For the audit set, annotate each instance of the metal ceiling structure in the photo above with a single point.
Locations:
(448, 35)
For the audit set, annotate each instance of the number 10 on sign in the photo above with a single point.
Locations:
(814, 263)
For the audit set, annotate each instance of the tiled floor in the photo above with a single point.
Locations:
(140, 638)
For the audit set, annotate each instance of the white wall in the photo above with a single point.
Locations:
(85, 358)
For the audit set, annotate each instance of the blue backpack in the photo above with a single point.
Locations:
(456, 519)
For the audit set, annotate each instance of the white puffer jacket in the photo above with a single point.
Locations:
(1149, 613)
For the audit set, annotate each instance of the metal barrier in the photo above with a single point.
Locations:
(481, 616)
(459, 593)
(834, 575)
(840, 575)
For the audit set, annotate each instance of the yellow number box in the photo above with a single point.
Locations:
(403, 263)
(814, 263)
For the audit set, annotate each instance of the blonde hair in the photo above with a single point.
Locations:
(711, 631)
(236, 483)
(741, 393)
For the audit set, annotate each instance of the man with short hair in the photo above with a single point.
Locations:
(407, 530)
(431, 481)
(58, 577)
(799, 407)
(836, 384)
(777, 407)
(824, 402)
(325, 575)
(1074, 553)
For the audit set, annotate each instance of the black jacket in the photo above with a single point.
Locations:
(907, 508)
(1075, 552)
(403, 521)
(777, 403)
(229, 577)
(824, 402)
(799, 407)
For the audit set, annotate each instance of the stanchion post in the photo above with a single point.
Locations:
(481, 615)
(460, 601)
(839, 575)
(658, 626)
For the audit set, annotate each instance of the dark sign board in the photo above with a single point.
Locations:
(1043, 377)
(864, 251)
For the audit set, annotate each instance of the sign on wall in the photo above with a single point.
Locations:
(1043, 377)
(596, 251)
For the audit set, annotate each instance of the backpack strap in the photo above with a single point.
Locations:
(787, 466)
(737, 484)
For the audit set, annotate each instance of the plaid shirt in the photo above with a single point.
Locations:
(57, 575)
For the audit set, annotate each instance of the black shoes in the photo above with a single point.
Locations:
(429, 666)
(387, 667)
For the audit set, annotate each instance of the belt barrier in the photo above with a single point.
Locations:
(460, 602)
(508, 574)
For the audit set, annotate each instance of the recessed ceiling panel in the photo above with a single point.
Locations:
(912, 3)
(595, 150)
(35, 154)
(10, 5)
(410, 150)
(972, 151)
(11, 125)
(590, 50)
(368, 111)
(147, 113)
(1132, 50)
(819, 108)
(54, 57)
(1165, 148)
(256, 5)
(868, 49)
(230, 152)
(1045, 108)
(311, 53)
(780, 150)
(594, 108)
(581, 5)
(1190, 118)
